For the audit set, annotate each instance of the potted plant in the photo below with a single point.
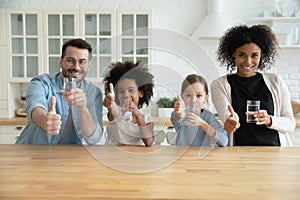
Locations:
(165, 106)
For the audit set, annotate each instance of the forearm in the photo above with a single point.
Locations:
(147, 134)
(209, 130)
(38, 117)
(88, 124)
(113, 112)
(146, 129)
(140, 120)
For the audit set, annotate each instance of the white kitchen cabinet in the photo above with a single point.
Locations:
(36, 37)
(134, 41)
(59, 27)
(100, 31)
(2, 30)
(10, 133)
(24, 45)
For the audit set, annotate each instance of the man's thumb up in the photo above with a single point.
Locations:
(52, 105)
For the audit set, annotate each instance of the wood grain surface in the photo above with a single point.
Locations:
(23, 120)
(158, 172)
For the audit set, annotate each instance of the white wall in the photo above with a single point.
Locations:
(180, 18)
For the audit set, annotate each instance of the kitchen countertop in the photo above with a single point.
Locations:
(158, 121)
(23, 120)
(158, 172)
(13, 121)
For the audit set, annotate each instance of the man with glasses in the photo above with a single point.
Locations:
(56, 116)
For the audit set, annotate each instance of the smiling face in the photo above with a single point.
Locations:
(247, 58)
(127, 88)
(75, 63)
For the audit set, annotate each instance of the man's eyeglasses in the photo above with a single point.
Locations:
(72, 61)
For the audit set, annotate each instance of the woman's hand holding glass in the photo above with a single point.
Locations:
(262, 117)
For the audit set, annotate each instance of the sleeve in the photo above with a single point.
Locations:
(284, 121)
(220, 95)
(36, 96)
(120, 131)
(176, 121)
(221, 137)
(147, 131)
(95, 106)
(112, 133)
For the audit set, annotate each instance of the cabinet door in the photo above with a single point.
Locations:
(134, 37)
(99, 31)
(2, 27)
(9, 134)
(25, 46)
(59, 27)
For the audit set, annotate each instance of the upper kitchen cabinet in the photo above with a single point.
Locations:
(25, 46)
(2, 30)
(134, 39)
(36, 37)
(59, 27)
(100, 30)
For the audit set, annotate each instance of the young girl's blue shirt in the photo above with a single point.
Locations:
(195, 135)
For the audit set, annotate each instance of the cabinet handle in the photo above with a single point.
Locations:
(19, 128)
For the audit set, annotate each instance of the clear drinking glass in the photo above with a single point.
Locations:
(252, 105)
(189, 108)
(69, 83)
(126, 115)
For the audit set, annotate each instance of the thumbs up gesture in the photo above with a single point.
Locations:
(53, 121)
(232, 123)
(179, 107)
(110, 97)
(110, 104)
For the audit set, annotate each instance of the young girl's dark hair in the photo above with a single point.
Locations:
(131, 70)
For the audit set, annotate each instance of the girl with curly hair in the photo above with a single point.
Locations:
(248, 49)
(133, 86)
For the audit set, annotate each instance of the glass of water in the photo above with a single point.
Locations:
(69, 83)
(189, 108)
(126, 114)
(252, 106)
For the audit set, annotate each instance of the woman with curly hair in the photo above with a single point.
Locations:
(133, 86)
(248, 49)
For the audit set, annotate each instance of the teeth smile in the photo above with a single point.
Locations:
(247, 67)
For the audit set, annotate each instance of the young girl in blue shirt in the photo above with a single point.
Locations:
(196, 127)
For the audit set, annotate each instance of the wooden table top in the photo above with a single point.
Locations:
(23, 120)
(157, 172)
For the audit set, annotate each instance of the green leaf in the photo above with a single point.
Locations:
(165, 102)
